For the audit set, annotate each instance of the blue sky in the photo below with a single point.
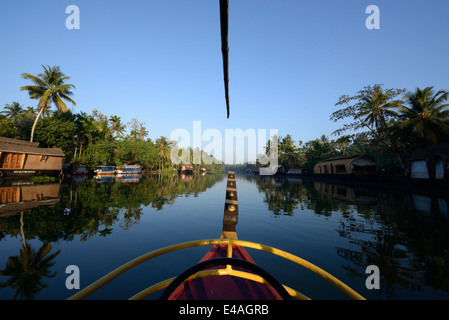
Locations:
(160, 60)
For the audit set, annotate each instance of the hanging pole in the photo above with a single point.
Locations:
(224, 13)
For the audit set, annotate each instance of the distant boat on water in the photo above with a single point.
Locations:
(129, 169)
(105, 170)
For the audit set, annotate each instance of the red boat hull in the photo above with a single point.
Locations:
(224, 287)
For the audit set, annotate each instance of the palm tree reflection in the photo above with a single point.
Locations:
(26, 270)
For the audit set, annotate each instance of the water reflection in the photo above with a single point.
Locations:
(25, 272)
(81, 207)
(402, 230)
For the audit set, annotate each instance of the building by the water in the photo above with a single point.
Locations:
(23, 158)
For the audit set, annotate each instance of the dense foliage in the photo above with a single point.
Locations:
(382, 124)
(387, 124)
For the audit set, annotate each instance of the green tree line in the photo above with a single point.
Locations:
(386, 124)
(92, 139)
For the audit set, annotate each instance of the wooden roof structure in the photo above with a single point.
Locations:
(21, 146)
(440, 150)
(343, 161)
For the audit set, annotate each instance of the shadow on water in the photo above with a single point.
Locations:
(80, 207)
(403, 231)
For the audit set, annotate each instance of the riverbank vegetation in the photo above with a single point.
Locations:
(91, 139)
(386, 124)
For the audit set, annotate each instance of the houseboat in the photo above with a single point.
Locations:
(105, 170)
(346, 166)
(430, 164)
(20, 158)
(129, 169)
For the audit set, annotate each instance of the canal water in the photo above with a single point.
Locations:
(98, 225)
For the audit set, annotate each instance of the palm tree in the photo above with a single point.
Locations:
(377, 109)
(12, 110)
(143, 132)
(343, 143)
(377, 106)
(426, 117)
(163, 149)
(49, 87)
(86, 131)
(30, 111)
(117, 127)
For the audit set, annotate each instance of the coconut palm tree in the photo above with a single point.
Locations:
(49, 87)
(143, 132)
(163, 149)
(13, 109)
(117, 127)
(30, 111)
(377, 106)
(426, 116)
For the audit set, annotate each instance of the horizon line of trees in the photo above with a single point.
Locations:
(94, 139)
(381, 124)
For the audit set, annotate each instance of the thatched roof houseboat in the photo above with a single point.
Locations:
(23, 158)
(350, 165)
(431, 163)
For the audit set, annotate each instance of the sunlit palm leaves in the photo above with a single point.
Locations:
(426, 116)
(12, 110)
(49, 87)
(117, 127)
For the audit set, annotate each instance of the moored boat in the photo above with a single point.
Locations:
(104, 170)
(129, 169)
(20, 158)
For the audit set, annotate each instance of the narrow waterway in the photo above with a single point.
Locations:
(98, 225)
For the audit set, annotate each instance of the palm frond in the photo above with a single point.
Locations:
(36, 80)
(62, 107)
(67, 98)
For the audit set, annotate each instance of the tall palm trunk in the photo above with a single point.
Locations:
(35, 122)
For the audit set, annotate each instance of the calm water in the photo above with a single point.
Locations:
(99, 225)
